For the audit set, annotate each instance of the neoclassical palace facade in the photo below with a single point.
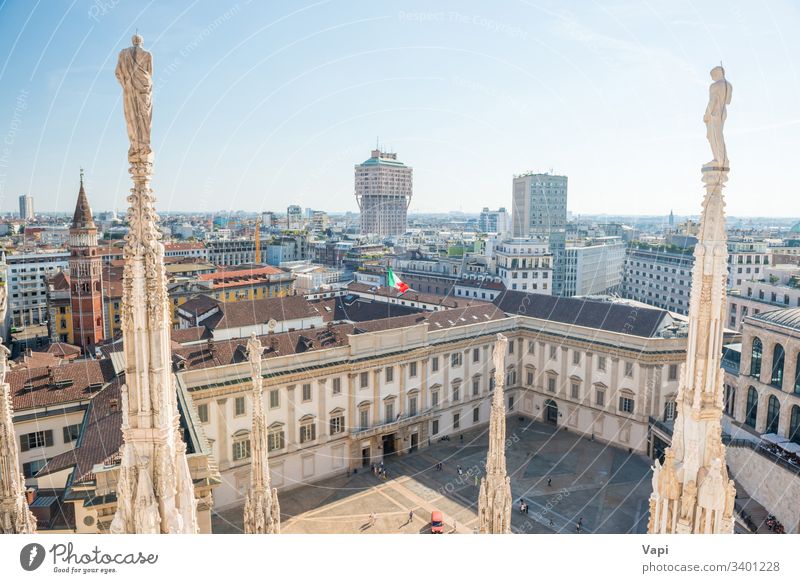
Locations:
(342, 396)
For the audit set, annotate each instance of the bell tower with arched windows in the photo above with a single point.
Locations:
(85, 271)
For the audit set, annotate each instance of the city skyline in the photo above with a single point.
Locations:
(262, 107)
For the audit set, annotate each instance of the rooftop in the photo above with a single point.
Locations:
(602, 315)
(75, 381)
(787, 318)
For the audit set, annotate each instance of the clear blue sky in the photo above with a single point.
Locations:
(263, 104)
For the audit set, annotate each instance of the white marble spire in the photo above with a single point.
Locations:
(494, 500)
(15, 516)
(262, 513)
(692, 492)
(155, 493)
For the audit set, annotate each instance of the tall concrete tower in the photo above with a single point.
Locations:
(383, 192)
(539, 209)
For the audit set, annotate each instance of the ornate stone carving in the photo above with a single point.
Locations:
(697, 452)
(155, 493)
(15, 515)
(262, 514)
(494, 501)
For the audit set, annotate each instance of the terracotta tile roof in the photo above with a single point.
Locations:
(223, 275)
(74, 381)
(346, 308)
(449, 301)
(481, 284)
(60, 281)
(100, 439)
(249, 312)
(195, 334)
(63, 349)
(183, 246)
(37, 360)
(225, 352)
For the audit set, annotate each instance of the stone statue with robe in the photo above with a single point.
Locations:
(719, 97)
(135, 74)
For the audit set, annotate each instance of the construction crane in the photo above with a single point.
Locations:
(258, 240)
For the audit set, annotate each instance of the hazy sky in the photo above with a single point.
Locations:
(264, 104)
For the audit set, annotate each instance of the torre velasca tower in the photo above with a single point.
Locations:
(383, 193)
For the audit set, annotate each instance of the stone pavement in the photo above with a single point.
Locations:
(605, 486)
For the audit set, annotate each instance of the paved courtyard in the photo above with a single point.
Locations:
(605, 486)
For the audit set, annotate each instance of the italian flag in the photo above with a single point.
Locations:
(396, 282)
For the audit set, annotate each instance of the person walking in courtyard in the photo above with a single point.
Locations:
(460, 471)
(549, 482)
(410, 516)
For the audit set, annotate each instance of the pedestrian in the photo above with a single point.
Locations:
(460, 471)
(578, 528)
(410, 516)
(476, 480)
(551, 522)
(462, 438)
(580, 521)
(372, 519)
(549, 482)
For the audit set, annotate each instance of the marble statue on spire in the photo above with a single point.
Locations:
(692, 492)
(262, 513)
(15, 515)
(135, 74)
(494, 499)
(155, 493)
(719, 97)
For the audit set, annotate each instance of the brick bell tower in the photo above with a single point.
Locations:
(85, 272)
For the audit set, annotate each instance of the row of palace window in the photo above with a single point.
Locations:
(776, 376)
(773, 415)
(44, 438)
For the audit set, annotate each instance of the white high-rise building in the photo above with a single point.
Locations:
(497, 221)
(26, 207)
(383, 188)
(593, 266)
(539, 209)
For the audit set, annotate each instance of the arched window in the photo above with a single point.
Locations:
(755, 358)
(773, 414)
(752, 407)
(794, 424)
(797, 375)
(778, 354)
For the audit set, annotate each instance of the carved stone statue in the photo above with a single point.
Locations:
(688, 501)
(719, 97)
(254, 352)
(135, 74)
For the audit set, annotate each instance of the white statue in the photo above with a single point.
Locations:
(135, 74)
(719, 97)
